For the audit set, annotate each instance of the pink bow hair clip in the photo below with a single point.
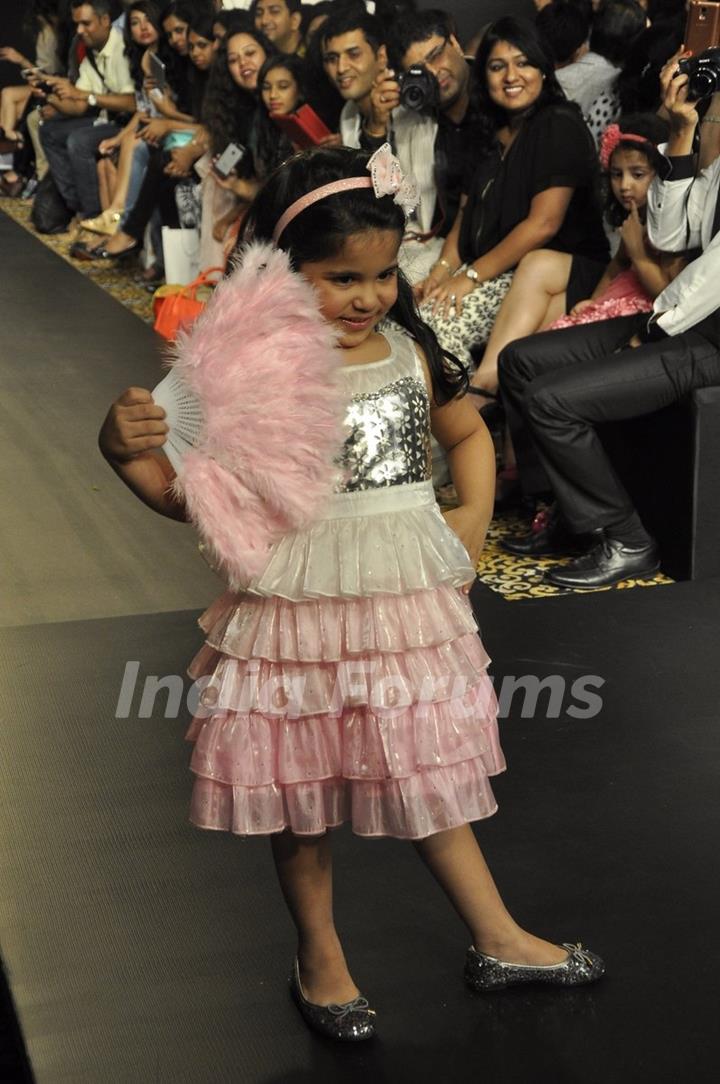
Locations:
(611, 137)
(388, 179)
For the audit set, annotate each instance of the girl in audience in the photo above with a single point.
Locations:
(175, 145)
(142, 35)
(230, 113)
(44, 22)
(281, 84)
(541, 294)
(534, 188)
(419, 771)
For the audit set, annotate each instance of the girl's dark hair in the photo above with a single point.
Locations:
(615, 28)
(525, 37)
(133, 51)
(320, 231)
(228, 110)
(655, 130)
(270, 144)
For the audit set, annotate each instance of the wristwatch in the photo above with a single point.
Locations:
(472, 274)
(91, 100)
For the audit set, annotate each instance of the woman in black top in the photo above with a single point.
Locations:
(534, 188)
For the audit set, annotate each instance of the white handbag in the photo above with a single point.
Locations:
(181, 255)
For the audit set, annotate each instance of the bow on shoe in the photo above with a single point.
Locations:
(579, 953)
(388, 179)
(341, 1011)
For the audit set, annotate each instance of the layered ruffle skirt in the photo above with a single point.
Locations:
(348, 683)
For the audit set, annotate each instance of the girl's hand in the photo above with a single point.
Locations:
(581, 306)
(12, 56)
(181, 161)
(107, 146)
(447, 299)
(155, 130)
(133, 425)
(424, 290)
(470, 529)
(632, 234)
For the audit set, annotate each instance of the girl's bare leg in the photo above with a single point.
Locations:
(12, 105)
(537, 290)
(105, 173)
(304, 869)
(456, 861)
(124, 167)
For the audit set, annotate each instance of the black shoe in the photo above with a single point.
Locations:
(607, 562)
(118, 257)
(548, 535)
(350, 1022)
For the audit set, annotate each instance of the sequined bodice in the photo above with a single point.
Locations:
(388, 422)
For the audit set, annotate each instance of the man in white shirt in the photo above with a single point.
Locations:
(104, 86)
(563, 384)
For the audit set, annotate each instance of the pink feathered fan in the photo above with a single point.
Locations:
(261, 364)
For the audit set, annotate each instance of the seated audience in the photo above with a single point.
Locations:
(615, 27)
(104, 86)
(565, 383)
(44, 18)
(541, 296)
(534, 188)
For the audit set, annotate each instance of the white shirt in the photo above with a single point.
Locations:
(585, 79)
(115, 77)
(680, 215)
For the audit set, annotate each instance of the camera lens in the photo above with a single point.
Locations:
(414, 97)
(703, 84)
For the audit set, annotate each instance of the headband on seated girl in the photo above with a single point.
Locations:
(386, 179)
(612, 137)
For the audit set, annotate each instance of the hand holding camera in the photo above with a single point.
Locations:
(384, 97)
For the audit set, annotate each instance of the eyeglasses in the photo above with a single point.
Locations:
(436, 53)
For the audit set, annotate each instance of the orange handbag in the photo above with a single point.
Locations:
(177, 307)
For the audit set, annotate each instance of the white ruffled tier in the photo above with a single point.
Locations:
(406, 747)
(386, 551)
(250, 627)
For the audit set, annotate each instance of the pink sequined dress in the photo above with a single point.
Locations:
(348, 682)
(624, 296)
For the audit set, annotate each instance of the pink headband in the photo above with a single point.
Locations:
(386, 178)
(612, 136)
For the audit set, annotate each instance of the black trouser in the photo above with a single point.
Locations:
(158, 190)
(564, 383)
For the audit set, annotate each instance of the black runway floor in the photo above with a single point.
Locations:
(139, 949)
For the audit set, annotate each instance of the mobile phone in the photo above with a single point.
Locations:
(702, 30)
(304, 128)
(31, 73)
(157, 71)
(229, 158)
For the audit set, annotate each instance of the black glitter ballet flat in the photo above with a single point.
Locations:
(486, 973)
(350, 1022)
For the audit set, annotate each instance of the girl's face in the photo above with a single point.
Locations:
(280, 92)
(358, 286)
(176, 32)
(142, 30)
(630, 177)
(512, 82)
(201, 50)
(245, 59)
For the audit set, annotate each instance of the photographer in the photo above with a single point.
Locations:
(104, 85)
(565, 383)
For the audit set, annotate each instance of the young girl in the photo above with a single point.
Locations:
(539, 297)
(377, 583)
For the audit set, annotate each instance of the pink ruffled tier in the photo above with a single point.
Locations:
(374, 710)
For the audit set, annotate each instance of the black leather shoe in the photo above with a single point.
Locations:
(351, 1022)
(548, 535)
(607, 562)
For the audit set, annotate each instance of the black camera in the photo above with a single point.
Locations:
(419, 89)
(703, 72)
